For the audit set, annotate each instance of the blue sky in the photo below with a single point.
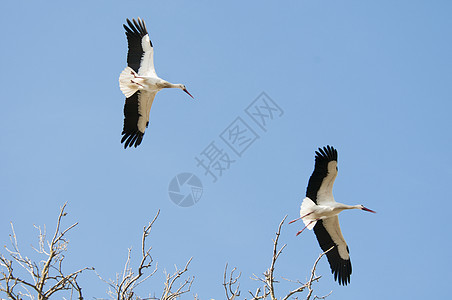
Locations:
(372, 79)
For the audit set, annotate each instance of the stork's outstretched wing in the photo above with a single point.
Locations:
(328, 233)
(136, 117)
(320, 185)
(141, 52)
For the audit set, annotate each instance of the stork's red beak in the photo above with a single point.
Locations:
(185, 90)
(369, 210)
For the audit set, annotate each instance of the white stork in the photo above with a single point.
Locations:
(319, 211)
(139, 83)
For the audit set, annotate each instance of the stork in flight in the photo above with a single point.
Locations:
(319, 211)
(139, 83)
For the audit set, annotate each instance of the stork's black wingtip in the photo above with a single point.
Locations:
(326, 152)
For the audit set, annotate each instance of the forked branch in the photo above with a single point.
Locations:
(46, 275)
(125, 285)
(267, 291)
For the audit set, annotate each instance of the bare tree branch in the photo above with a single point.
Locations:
(322, 297)
(268, 288)
(269, 277)
(229, 285)
(171, 279)
(124, 287)
(312, 278)
(47, 277)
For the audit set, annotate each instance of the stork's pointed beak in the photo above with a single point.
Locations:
(369, 210)
(185, 90)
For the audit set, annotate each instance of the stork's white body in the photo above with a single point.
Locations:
(131, 82)
(311, 212)
(320, 212)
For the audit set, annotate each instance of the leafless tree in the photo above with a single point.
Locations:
(124, 287)
(46, 276)
(267, 291)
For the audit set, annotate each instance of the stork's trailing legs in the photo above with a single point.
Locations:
(136, 76)
(137, 83)
(313, 221)
(130, 82)
(298, 233)
(300, 218)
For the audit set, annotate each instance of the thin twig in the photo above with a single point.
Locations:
(229, 285)
(269, 274)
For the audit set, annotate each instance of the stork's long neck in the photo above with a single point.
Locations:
(341, 206)
(169, 85)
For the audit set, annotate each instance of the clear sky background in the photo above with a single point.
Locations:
(371, 78)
